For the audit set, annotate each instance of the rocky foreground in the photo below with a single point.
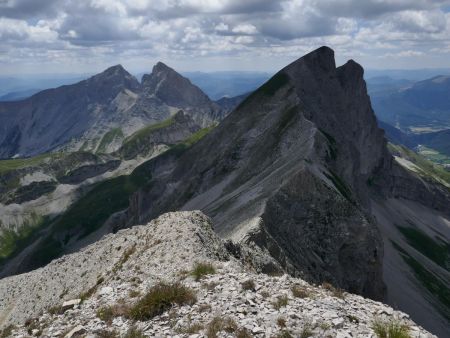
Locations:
(103, 291)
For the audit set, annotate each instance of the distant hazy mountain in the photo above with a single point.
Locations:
(78, 116)
(24, 83)
(19, 95)
(408, 74)
(421, 107)
(227, 84)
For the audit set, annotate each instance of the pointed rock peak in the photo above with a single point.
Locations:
(162, 67)
(319, 59)
(115, 70)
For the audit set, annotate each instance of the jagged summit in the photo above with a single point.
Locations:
(162, 67)
(174, 89)
(321, 58)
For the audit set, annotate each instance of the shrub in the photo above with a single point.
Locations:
(159, 299)
(248, 285)
(202, 269)
(218, 324)
(390, 329)
(280, 302)
(300, 291)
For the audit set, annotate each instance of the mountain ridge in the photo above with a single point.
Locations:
(77, 116)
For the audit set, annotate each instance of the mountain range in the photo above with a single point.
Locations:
(298, 178)
(81, 116)
(419, 107)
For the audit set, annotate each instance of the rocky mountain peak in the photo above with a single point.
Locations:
(319, 59)
(115, 76)
(177, 91)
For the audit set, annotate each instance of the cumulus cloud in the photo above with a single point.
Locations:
(104, 30)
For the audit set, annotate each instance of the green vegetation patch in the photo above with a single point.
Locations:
(390, 329)
(18, 163)
(340, 185)
(436, 250)
(427, 168)
(108, 138)
(434, 285)
(11, 240)
(269, 88)
(143, 133)
(161, 298)
(332, 145)
(106, 198)
(202, 269)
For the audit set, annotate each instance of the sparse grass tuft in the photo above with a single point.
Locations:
(202, 269)
(243, 333)
(161, 298)
(7, 331)
(284, 334)
(280, 302)
(107, 334)
(191, 328)
(107, 313)
(300, 292)
(248, 285)
(219, 324)
(306, 331)
(281, 322)
(336, 292)
(134, 332)
(390, 329)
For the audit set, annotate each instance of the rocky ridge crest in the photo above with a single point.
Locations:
(120, 268)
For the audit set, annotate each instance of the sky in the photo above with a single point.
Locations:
(85, 36)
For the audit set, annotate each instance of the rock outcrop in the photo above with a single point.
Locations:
(89, 292)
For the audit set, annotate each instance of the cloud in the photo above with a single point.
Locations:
(105, 30)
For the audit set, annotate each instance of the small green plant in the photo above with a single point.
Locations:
(134, 332)
(299, 291)
(219, 324)
(280, 302)
(390, 329)
(248, 285)
(161, 298)
(202, 269)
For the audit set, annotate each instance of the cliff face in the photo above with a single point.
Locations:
(287, 171)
